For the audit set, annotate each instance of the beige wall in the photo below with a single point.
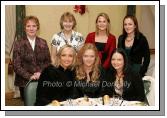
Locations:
(146, 19)
(49, 18)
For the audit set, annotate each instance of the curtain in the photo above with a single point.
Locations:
(131, 10)
(10, 27)
(20, 15)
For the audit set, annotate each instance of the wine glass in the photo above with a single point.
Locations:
(117, 100)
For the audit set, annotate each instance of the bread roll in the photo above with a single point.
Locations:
(55, 103)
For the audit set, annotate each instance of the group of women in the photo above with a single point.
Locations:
(78, 67)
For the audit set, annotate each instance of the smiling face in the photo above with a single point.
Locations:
(89, 58)
(129, 26)
(66, 57)
(68, 24)
(31, 28)
(102, 23)
(117, 61)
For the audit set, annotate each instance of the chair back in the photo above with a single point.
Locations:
(30, 93)
(149, 88)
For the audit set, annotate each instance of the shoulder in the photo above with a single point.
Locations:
(41, 39)
(132, 74)
(56, 35)
(77, 34)
(21, 42)
(91, 34)
(141, 36)
(111, 37)
(121, 37)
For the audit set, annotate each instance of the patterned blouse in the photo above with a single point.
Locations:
(76, 40)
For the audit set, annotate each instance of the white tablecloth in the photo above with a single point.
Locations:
(98, 102)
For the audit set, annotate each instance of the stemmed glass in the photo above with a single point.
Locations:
(117, 100)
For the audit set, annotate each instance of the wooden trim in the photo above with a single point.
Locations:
(152, 51)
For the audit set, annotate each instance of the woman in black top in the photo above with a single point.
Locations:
(122, 80)
(52, 84)
(135, 45)
(89, 74)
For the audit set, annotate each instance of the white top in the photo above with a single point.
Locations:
(59, 40)
(32, 42)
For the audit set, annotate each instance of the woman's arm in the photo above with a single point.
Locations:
(42, 96)
(17, 61)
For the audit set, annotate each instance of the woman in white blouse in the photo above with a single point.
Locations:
(66, 36)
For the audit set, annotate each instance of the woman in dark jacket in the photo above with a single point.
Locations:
(56, 80)
(89, 74)
(30, 55)
(122, 80)
(135, 45)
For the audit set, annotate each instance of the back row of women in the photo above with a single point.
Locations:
(31, 57)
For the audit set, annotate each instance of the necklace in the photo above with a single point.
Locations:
(119, 84)
(129, 39)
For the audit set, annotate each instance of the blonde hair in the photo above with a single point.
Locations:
(108, 21)
(70, 16)
(32, 18)
(80, 72)
(58, 56)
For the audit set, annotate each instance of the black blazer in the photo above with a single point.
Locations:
(54, 84)
(140, 49)
(133, 88)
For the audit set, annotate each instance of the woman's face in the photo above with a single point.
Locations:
(68, 24)
(66, 57)
(102, 23)
(31, 28)
(117, 61)
(89, 58)
(129, 26)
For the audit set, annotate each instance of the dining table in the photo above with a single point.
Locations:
(98, 102)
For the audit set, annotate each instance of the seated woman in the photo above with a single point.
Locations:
(89, 74)
(52, 82)
(121, 80)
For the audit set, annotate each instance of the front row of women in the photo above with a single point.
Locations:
(72, 77)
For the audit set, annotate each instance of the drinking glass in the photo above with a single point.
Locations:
(117, 100)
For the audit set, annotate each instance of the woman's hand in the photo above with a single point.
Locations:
(35, 76)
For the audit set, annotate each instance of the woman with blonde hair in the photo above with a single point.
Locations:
(89, 73)
(104, 41)
(67, 35)
(52, 83)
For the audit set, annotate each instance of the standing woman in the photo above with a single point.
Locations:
(30, 55)
(122, 80)
(135, 45)
(55, 83)
(103, 39)
(66, 36)
(89, 74)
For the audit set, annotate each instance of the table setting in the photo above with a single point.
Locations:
(106, 100)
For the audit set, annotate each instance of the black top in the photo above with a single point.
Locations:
(139, 51)
(100, 47)
(133, 88)
(90, 89)
(52, 85)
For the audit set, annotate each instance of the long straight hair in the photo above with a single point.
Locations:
(134, 19)
(108, 21)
